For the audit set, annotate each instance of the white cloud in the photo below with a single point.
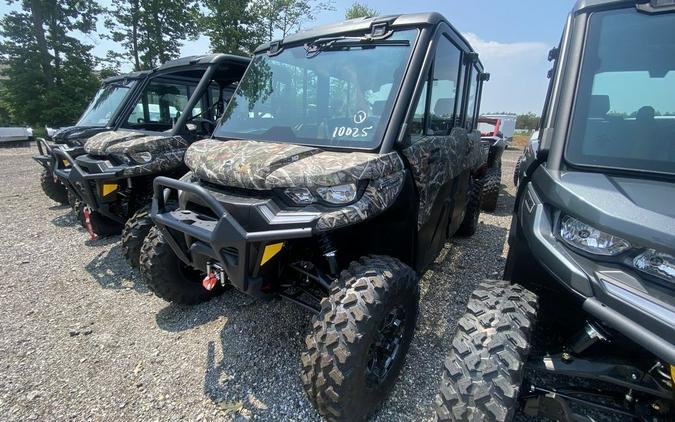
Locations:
(517, 74)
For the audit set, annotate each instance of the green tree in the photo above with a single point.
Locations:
(528, 121)
(229, 26)
(279, 18)
(360, 10)
(151, 32)
(49, 71)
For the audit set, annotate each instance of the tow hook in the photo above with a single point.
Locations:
(214, 275)
(87, 223)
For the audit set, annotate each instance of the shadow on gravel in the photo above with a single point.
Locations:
(176, 318)
(504, 203)
(65, 220)
(110, 269)
(59, 207)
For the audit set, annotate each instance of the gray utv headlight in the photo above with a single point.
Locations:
(339, 194)
(141, 157)
(589, 239)
(657, 264)
(300, 196)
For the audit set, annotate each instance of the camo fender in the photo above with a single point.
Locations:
(99, 143)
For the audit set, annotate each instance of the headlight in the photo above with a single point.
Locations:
(657, 264)
(300, 196)
(141, 157)
(582, 236)
(340, 194)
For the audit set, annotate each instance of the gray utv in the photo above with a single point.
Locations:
(584, 323)
(344, 161)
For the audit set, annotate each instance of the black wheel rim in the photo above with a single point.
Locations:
(385, 350)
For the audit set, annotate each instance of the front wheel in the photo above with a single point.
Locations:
(359, 340)
(484, 370)
(52, 188)
(170, 278)
(135, 231)
(491, 182)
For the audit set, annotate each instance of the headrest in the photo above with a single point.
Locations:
(444, 107)
(378, 107)
(598, 106)
(645, 113)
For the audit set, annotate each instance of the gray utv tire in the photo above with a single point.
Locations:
(492, 182)
(168, 277)
(483, 372)
(135, 231)
(54, 190)
(371, 297)
(470, 222)
(517, 170)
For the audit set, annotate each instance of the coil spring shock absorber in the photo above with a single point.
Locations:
(329, 252)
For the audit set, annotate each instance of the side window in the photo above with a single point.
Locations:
(443, 109)
(159, 106)
(472, 106)
(417, 126)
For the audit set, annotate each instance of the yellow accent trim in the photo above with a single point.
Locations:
(672, 373)
(66, 163)
(270, 251)
(109, 188)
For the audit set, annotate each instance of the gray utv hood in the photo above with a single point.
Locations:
(265, 165)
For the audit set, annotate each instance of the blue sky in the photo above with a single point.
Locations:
(511, 36)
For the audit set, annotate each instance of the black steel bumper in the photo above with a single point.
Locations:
(217, 237)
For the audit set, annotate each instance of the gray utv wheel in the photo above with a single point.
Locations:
(135, 231)
(54, 190)
(483, 372)
(170, 278)
(470, 222)
(492, 182)
(359, 340)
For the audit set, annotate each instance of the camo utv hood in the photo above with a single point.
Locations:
(265, 165)
(97, 144)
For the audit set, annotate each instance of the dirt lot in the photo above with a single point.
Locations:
(82, 338)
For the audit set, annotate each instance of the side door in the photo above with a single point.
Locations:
(435, 146)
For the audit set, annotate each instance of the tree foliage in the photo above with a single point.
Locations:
(229, 26)
(528, 121)
(151, 32)
(360, 10)
(278, 18)
(49, 70)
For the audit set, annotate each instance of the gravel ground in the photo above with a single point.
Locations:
(82, 338)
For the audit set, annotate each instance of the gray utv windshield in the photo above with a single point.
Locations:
(340, 95)
(624, 115)
(105, 104)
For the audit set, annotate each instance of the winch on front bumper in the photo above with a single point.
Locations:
(210, 232)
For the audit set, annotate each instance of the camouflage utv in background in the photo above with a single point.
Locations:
(105, 112)
(113, 179)
(345, 160)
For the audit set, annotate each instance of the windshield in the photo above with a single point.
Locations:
(105, 103)
(337, 96)
(624, 116)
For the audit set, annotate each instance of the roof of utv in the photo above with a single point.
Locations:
(363, 24)
(205, 59)
(582, 5)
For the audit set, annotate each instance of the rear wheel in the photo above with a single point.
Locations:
(517, 170)
(484, 370)
(53, 189)
(470, 222)
(491, 182)
(360, 338)
(134, 233)
(170, 278)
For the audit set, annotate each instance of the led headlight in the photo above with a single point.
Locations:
(582, 236)
(300, 196)
(141, 157)
(657, 264)
(340, 194)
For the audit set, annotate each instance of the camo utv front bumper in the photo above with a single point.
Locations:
(209, 232)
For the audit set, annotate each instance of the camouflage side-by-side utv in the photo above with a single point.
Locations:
(491, 179)
(104, 112)
(583, 326)
(343, 163)
(178, 105)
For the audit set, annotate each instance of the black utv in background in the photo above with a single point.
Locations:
(179, 104)
(104, 112)
(590, 274)
(345, 160)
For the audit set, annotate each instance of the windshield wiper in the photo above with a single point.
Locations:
(335, 43)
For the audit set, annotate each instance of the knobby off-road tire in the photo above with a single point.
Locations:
(135, 231)
(168, 277)
(470, 222)
(517, 170)
(492, 182)
(54, 190)
(73, 200)
(344, 336)
(483, 372)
